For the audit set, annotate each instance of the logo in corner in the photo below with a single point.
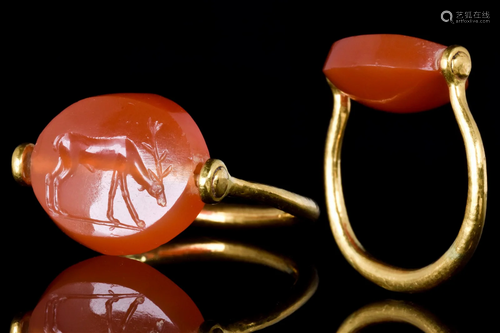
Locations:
(447, 16)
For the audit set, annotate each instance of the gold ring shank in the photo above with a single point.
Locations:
(393, 311)
(305, 276)
(274, 206)
(455, 65)
(231, 215)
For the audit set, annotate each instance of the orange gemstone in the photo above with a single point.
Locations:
(392, 73)
(114, 294)
(117, 172)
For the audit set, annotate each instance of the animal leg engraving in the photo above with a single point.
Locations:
(50, 198)
(66, 173)
(122, 179)
(111, 197)
(109, 309)
(50, 315)
(61, 173)
(130, 312)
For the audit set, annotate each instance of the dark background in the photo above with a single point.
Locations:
(251, 77)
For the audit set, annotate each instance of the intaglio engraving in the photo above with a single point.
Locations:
(116, 321)
(118, 155)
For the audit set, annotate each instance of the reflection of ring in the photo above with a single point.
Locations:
(425, 63)
(125, 173)
(108, 290)
(393, 311)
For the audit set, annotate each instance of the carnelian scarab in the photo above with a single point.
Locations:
(117, 172)
(392, 73)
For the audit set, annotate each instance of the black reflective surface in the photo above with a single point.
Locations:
(250, 76)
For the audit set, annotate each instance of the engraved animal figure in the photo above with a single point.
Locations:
(117, 154)
(114, 323)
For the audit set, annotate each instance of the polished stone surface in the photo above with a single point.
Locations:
(114, 294)
(389, 72)
(117, 172)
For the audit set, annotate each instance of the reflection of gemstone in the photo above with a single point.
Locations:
(388, 72)
(114, 294)
(117, 172)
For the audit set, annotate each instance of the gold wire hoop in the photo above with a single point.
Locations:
(276, 206)
(393, 311)
(305, 277)
(455, 67)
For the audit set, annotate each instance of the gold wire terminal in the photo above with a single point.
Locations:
(21, 159)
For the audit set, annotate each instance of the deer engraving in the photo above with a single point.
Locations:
(119, 155)
(114, 323)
